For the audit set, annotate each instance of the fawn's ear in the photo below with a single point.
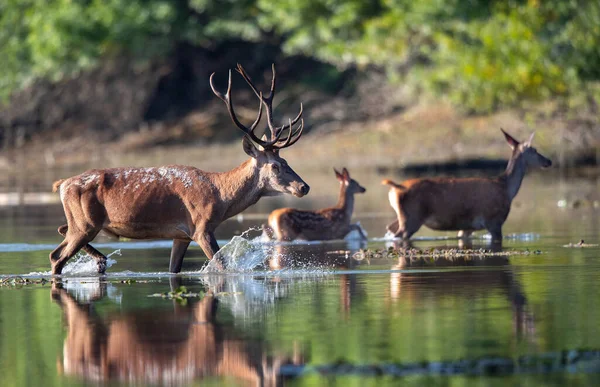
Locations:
(249, 147)
(338, 175)
(530, 139)
(510, 139)
(346, 174)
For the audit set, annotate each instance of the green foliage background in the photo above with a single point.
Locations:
(481, 55)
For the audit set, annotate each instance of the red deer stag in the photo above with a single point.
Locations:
(462, 204)
(179, 202)
(287, 224)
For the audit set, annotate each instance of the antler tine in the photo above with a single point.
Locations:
(292, 137)
(276, 132)
(247, 78)
(229, 103)
(272, 81)
(268, 101)
(217, 92)
(294, 121)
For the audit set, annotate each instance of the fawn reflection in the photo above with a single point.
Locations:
(493, 273)
(168, 346)
(328, 256)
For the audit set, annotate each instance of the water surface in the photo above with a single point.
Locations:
(313, 314)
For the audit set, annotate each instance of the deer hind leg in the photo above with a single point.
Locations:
(85, 217)
(407, 226)
(89, 249)
(283, 228)
(178, 250)
(74, 241)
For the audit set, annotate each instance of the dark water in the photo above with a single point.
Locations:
(312, 314)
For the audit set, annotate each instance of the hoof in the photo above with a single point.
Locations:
(101, 267)
(56, 270)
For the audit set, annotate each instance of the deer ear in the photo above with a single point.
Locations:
(510, 139)
(530, 139)
(249, 147)
(346, 174)
(338, 175)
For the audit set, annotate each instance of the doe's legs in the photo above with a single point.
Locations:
(464, 234)
(496, 231)
(406, 227)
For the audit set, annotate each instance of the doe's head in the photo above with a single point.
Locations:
(525, 150)
(352, 186)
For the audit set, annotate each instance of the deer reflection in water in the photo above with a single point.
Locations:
(326, 256)
(160, 347)
(496, 274)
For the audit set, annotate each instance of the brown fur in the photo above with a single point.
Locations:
(178, 202)
(287, 224)
(461, 204)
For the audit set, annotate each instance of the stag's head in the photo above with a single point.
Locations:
(352, 186)
(275, 175)
(527, 152)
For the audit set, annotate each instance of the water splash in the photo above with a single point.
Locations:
(80, 264)
(527, 236)
(84, 264)
(244, 254)
(389, 236)
(240, 254)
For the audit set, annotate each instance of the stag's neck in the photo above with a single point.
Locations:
(239, 188)
(346, 202)
(514, 174)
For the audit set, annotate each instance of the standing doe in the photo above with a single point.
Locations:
(462, 204)
(287, 224)
(178, 202)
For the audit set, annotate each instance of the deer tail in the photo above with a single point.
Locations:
(392, 184)
(56, 185)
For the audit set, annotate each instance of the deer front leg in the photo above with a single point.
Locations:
(496, 232)
(208, 242)
(178, 250)
(209, 245)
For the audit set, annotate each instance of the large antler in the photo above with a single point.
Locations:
(276, 132)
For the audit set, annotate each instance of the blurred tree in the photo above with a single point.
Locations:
(480, 54)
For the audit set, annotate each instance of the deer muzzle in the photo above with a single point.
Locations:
(299, 188)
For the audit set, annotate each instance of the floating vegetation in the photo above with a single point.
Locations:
(181, 294)
(580, 244)
(18, 281)
(393, 253)
(131, 281)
